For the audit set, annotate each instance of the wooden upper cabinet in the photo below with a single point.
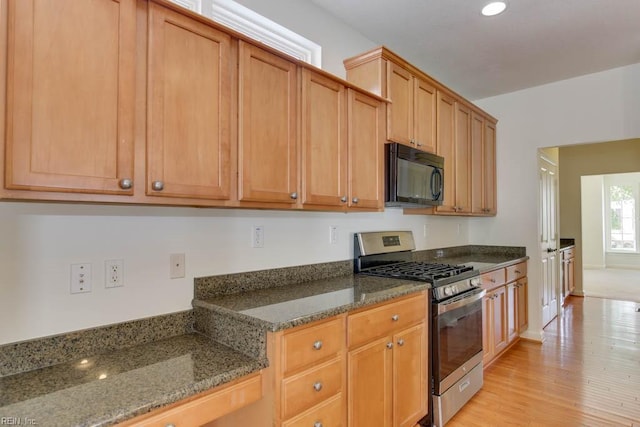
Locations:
(267, 140)
(411, 117)
(400, 113)
(71, 95)
(189, 106)
(483, 165)
(366, 151)
(324, 140)
(424, 122)
(462, 167)
(446, 148)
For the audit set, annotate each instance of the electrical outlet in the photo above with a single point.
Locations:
(176, 267)
(333, 234)
(257, 236)
(425, 230)
(80, 278)
(113, 273)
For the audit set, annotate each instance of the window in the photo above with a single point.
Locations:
(256, 26)
(621, 211)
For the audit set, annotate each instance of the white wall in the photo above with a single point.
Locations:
(597, 107)
(338, 40)
(40, 241)
(592, 221)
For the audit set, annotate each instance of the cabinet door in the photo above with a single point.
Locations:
(400, 112)
(487, 329)
(267, 140)
(499, 319)
(512, 311)
(489, 168)
(409, 376)
(424, 119)
(366, 151)
(188, 107)
(445, 148)
(478, 172)
(70, 95)
(324, 140)
(369, 384)
(462, 162)
(523, 313)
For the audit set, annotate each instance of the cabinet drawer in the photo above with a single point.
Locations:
(493, 279)
(307, 389)
(379, 321)
(306, 346)
(515, 272)
(328, 414)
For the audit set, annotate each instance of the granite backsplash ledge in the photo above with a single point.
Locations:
(38, 353)
(226, 284)
(477, 252)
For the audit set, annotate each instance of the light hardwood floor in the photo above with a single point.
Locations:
(586, 373)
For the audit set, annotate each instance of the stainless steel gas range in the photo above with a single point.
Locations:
(456, 315)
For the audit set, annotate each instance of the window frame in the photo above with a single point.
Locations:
(620, 179)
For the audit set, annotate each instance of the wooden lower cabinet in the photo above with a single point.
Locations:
(505, 314)
(568, 272)
(494, 338)
(387, 375)
(205, 407)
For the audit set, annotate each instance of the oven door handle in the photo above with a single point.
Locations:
(443, 308)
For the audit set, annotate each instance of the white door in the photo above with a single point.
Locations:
(548, 238)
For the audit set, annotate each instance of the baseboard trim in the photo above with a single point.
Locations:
(594, 266)
(537, 337)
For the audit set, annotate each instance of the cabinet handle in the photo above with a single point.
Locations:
(294, 195)
(518, 272)
(317, 386)
(125, 183)
(157, 185)
(400, 342)
(395, 317)
(317, 345)
(343, 199)
(389, 345)
(355, 200)
(317, 424)
(492, 280)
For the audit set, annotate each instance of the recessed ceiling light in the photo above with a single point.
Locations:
(494, 8)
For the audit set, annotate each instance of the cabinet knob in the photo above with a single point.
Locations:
(418, 143)
(294, 195)
(395, 317)
(170, 425)
(317, 424)
(125, 183)
(157, 185)
(492, 280)
(389, 345)
(400, 342)
(343, 199)
(412, 141)
(317, 345)
(518, 272)
(355, 200)
(317, 386)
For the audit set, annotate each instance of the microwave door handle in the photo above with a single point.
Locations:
(436, 178)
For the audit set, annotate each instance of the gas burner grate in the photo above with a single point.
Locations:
(428, 272)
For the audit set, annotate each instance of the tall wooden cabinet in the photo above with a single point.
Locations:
(188, 107)
(70, 96)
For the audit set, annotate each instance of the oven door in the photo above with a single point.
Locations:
(457, 337)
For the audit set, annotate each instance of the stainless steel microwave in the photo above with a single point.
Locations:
(414, 178)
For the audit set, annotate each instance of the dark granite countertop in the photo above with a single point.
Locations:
(105, 389)
(484, 262)
(284, 307)
(567, 243)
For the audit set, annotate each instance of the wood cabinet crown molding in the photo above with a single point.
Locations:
(382, 52)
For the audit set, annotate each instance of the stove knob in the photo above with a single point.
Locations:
(448, 291)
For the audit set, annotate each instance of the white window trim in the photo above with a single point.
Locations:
(620, 179)
(256, 26)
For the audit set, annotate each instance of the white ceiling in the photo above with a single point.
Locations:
(532, 43)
